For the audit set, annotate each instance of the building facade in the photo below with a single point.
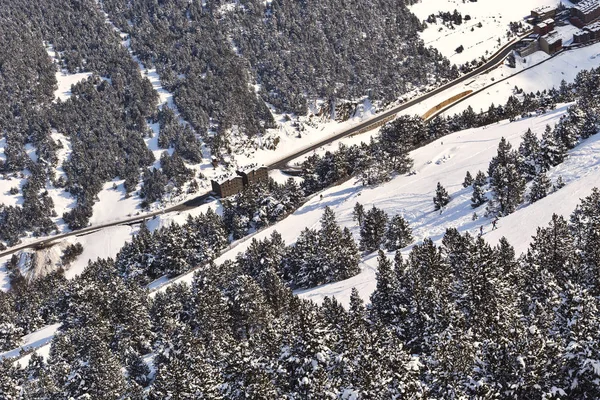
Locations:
(230, 185)
(250, 176)
(551, 43)
(586, 11)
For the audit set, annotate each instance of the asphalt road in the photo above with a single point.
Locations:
(491, 63)
(497, 58)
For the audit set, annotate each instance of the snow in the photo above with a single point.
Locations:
(494, 17)
(64, 79)
(536, 72)
(549, 74)
(114, 205)
(33, 341)
(445, 160)
(7, 183)
(281, 177)
(104, 243)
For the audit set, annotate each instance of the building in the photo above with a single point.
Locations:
(544, 27)
(590, 32)
(228, 185)
(543, 12)
(586, 11)
(551, 43)
(253, 174)
(581, 36)
(593, 30)
(528, 45)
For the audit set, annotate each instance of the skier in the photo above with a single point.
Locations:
(321, 197)
(481, 230)
(494, 222)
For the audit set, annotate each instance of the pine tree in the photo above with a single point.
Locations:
(384, 298)
(530, 151)
(553, 152)
(478, 198)
(468, 180)
(347, 258)
(398, 234)
(358, 214)
(441, 198)
(539, 188)
(585, 228)
(398, 137)
(507, 183)
(559, 184)
(372, 230)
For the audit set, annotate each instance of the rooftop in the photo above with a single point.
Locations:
(225, 177)
(544, 8)
(552, 37)
(595, 27)
(250, 167)
(587, 5)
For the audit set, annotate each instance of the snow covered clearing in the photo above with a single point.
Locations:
(64, 79)
(104, 243)
(32, 341)
(445, 160)
(114, 204)
(494, 17)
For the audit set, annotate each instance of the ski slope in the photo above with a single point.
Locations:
(446, 160)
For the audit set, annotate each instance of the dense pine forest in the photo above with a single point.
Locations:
(462, 319)
(449, 319)
(226, 64)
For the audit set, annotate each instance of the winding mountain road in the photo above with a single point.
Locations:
(492, 63)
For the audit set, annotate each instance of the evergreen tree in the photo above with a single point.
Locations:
(478, 198)
(507, 183)
(398, 234)
(553, 152)
(358, 214)
(441, 198)
(384, 299)
(398, 137)
(539, 188)
(530, 151)
(468, 180)
(373, 229)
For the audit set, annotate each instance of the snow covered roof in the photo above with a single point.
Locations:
(543, 9)
(587, 6)
(595, 27)
(548, 21)
(552, 37)
(250, 167)
(226, 177)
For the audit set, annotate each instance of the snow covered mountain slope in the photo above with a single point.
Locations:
(477, 40)
(446, 160)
